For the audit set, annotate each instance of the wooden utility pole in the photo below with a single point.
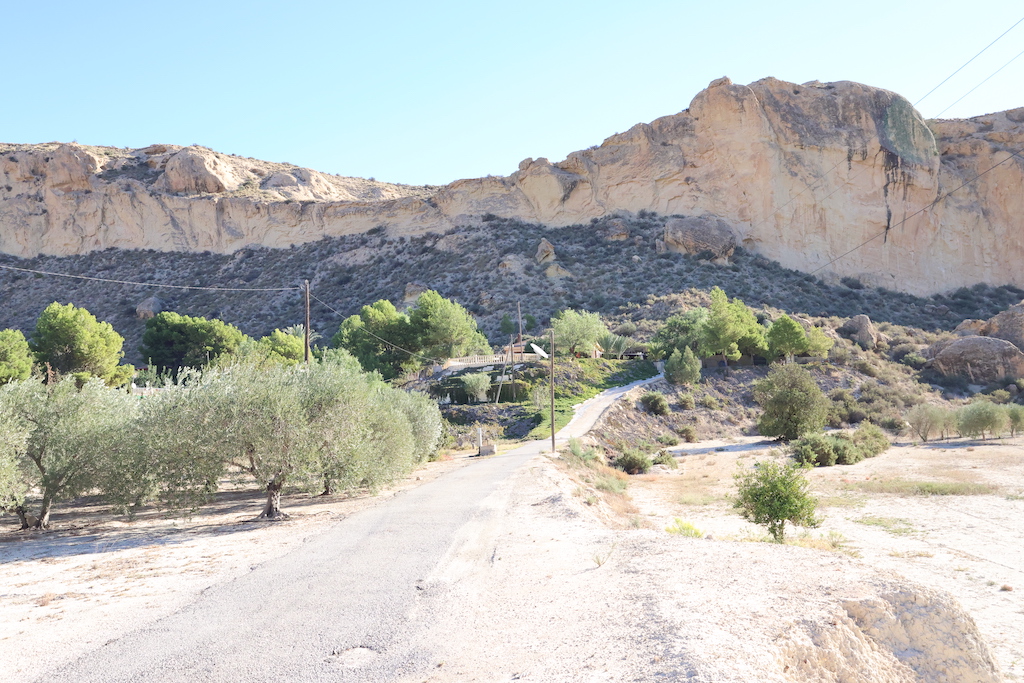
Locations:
(307, 325)
(552, 389)
(519, 313)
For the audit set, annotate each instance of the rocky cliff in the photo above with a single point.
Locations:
(801, 174)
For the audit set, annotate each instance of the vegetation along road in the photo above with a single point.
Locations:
(343, 606)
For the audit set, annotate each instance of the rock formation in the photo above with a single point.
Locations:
(802, 174)
(980, 359)
(700, 234)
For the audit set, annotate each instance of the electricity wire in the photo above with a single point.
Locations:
(1016, 154)
(968, 62)
(980, 84)
(363, 329)
(150, 284)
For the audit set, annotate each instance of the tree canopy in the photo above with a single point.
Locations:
(683, 368)
(72, 341)
(578, 331)
(772, 494)
(172, 341)
(15, 356)
(793, 403)
(786, 338)
(445, 329)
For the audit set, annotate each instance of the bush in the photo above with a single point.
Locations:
(689, 434)
(633, 462)
(772, 494)
(871, 440)
(665, 458)
(980, 418)
(825, 450)
(793, 404)
(1015, 418)
(815, 449)
(686, 402)
(477, 385)
(681, 528)
(654, 402)
(668, 440)
(682, 368)
(711, 402)
(926, 420)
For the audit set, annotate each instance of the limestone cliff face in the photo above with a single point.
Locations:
(801, 173)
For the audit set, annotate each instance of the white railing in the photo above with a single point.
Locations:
(492, 359)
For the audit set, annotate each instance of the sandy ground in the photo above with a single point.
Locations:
(968, 545)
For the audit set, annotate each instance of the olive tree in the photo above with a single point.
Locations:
(66, 429)
(477, 384)
(772, 494)
(578, 331)
(926, 420)
(980, 418)
(793, 403)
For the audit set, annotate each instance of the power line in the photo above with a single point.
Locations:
(151, 284)
(968, 62)
(980, 84)
(919, 211)
(363, 329)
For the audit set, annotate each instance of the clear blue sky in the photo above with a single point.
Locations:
(422, 92)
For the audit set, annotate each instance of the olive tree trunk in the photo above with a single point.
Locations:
(272, 510)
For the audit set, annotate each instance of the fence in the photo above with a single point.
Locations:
(491, 359)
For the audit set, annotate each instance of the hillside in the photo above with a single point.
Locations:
(799, 174)
(612, 266)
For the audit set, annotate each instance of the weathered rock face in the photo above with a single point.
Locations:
(980, 359)
(801, 174)
(1008, 325)
(149, 307)
(862, 330)
(545, 252)
(700, 234)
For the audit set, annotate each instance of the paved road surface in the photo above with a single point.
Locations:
(352, 595)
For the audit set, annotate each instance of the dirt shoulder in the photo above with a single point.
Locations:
(96, 577)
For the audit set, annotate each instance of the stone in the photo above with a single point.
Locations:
(545, 251)
(980, 359)
(149, 307)
(412, 292)
(616, 230)
(556, 272)
(699, 235)
(970, 326)
(659, 247)
(196, 170)
(861, 330)
(1008, 325)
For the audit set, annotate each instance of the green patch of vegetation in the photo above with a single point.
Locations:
(905, 487)
(680, 528)
(668, 440)
(577, 379)
(893, 525)
(634, 462)
(665, 458)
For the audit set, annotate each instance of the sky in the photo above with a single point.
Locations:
(427, 93)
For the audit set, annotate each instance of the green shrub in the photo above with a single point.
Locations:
(686, 402)
(665, 458)
(689, 433)
(1015, 418)
(871, 440)
(926, 420)
(668, 440)
(914, 360)
(772, 494)
(655, 403)
(793, 404)
(711, 402)
(634, 462)
(815, 449)
(681, 528)
(682, 368)
(477, 385)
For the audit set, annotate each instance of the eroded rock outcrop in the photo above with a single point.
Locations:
(698, 235)
(801, 174)
(980, 359)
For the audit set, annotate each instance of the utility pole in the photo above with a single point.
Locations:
(552, 389)
(519, 312)
(512, 355)
(307, 325)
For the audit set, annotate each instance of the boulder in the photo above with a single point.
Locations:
(970, 326)
(699, 234)
(557, 272)
(616, 230)
(413, 291)
(70, 167)
(545, 251)
(862, 331)
(196, 170)
(980, 359)
(148, 308)
(1008, 325)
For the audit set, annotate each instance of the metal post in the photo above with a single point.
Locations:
(307, 324)
(519, 313)
(552, 390)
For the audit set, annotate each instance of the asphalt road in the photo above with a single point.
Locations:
(342, 607)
